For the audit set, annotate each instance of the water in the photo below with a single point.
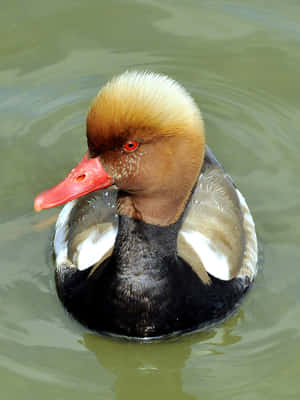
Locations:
(240, 60)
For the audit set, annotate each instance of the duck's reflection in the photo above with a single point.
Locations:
(143, 371)
(146, 370)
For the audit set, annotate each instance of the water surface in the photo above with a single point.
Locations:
(240, 60)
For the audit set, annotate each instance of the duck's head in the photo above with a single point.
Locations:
(145, 135)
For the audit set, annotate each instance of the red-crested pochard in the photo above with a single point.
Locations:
(174, 247)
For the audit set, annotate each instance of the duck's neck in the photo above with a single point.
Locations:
(162, 208)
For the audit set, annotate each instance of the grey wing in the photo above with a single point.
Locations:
(86, 229)
(218, 234)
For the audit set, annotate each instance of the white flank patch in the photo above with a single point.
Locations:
(246, 212)
(60, 243)
(94, 247)
(249, 267)
(213, 261)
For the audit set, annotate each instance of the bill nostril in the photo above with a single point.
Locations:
(80, 178)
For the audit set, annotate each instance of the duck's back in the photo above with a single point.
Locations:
(218, 236)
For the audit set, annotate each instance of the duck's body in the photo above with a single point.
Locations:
(170, 261)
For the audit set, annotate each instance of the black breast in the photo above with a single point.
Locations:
(144, 289)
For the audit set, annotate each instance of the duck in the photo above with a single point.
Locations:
(154, 239)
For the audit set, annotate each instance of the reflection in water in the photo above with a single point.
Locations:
(142, 370)
(146, 370)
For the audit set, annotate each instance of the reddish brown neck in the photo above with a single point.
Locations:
(161, 209)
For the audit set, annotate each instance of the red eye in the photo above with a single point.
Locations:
(130, 146)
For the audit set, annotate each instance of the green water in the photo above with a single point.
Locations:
(240, 60)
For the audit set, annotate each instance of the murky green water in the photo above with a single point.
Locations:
(240, 60)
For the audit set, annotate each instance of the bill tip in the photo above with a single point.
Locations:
(37, 205)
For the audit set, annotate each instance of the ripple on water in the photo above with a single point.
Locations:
(243, 125)
(254, 134)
